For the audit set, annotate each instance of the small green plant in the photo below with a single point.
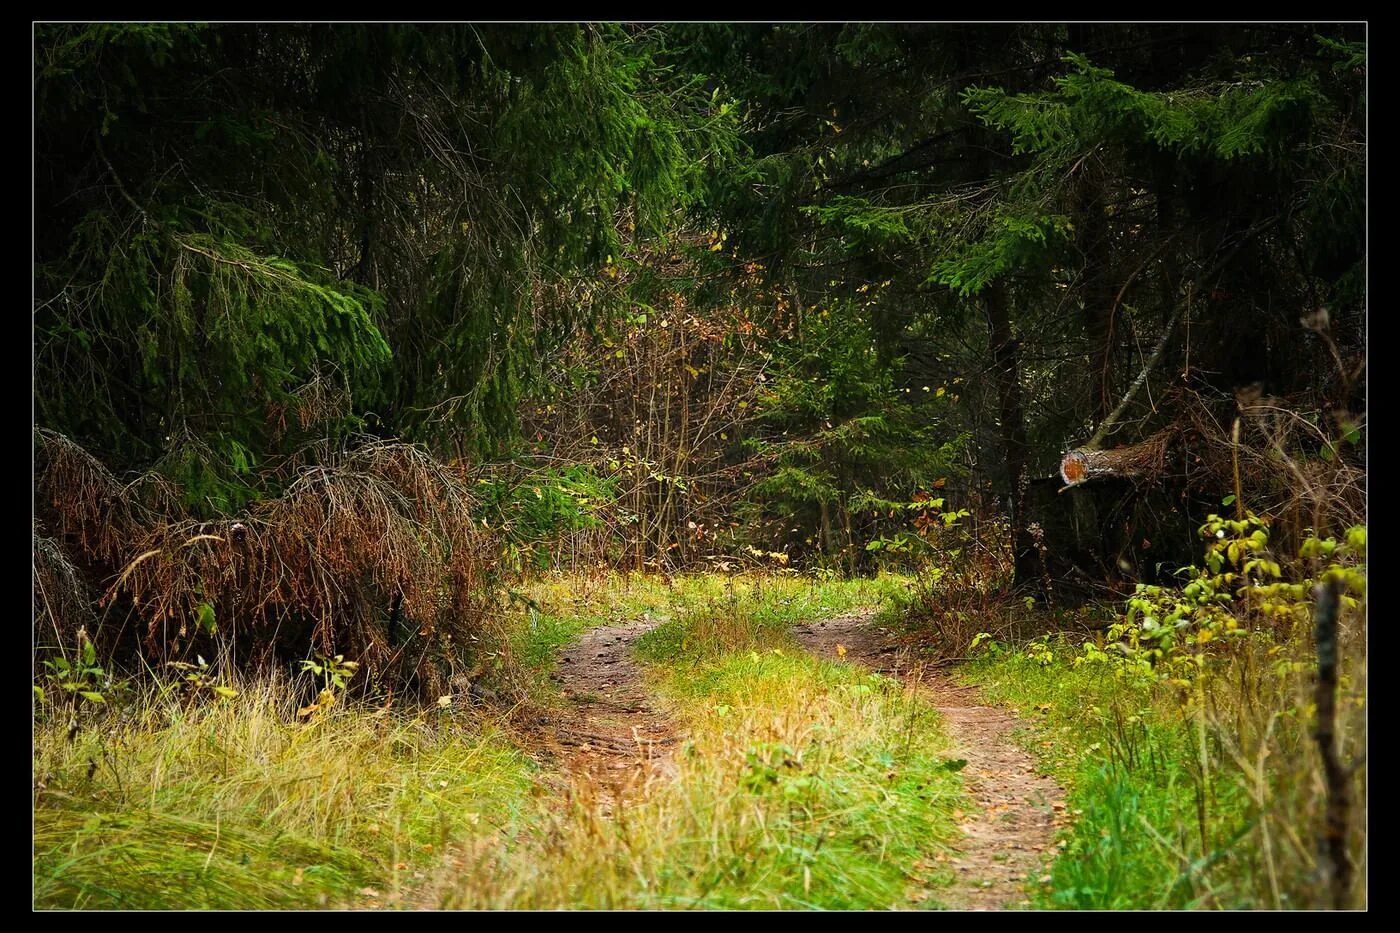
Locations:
(983, 643)
(1185, 733)
(1040, 651)
(934, 538)
(81, 681)
(334, 675)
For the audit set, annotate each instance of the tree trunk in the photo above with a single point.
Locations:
(1006, 372)
(1099, 290)
(1099, 294)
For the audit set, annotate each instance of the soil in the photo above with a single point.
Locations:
(611, 732)
(1018, 809)
(613, 741)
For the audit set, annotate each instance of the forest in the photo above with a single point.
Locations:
(699, 466)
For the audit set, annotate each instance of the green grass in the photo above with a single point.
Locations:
(563, 607)
(802, 783)
(557, 608)
(238, 804)
(1181, 798)
(716, 613)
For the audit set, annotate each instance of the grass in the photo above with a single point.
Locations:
(1203, 797)
(238, 804)
(561, 607)
(558, 608)
(803, 784)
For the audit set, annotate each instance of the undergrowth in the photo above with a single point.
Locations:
(241, 804)
(1184, 734)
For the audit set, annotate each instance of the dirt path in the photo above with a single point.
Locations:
(610, 731)
(1017, 808)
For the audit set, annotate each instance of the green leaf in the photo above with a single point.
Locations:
(1228, 500)
(92, 696)
(206, 618)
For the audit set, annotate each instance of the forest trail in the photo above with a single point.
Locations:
(611, 732)
(1018, 809)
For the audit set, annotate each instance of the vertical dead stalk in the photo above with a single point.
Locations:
(1334, 835)
(1235, 459)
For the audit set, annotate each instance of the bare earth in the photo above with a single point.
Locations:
(614, 738)
(1018, 808)
(611, 732)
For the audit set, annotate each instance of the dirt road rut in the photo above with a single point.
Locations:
(611, 731)
(1008, 838)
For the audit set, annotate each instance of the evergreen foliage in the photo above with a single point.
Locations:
(230, 216)
(846, 444)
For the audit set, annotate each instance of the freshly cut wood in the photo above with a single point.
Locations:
(1136, 460)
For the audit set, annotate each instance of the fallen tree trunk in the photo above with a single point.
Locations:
(1135, 461)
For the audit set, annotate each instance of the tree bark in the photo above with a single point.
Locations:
(1007, 373)
(1098, 289)
(1099, 294)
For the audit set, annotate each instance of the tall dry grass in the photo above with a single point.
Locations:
(375, 556)
(159, 803)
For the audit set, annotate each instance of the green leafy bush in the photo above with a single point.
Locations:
(1243, 592)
